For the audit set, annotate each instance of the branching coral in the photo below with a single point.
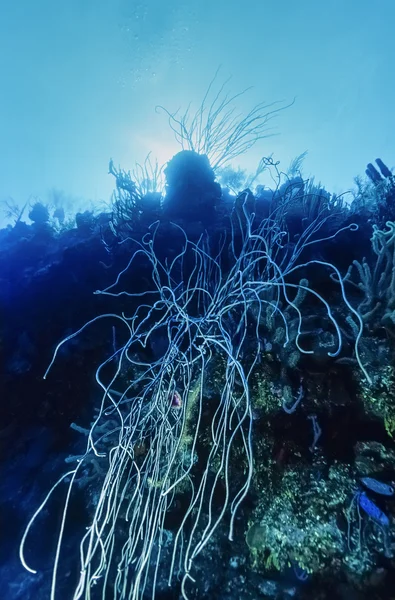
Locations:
(137, 196)
(217, 130)
(378, 282)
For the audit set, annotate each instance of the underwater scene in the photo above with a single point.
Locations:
(197, 300)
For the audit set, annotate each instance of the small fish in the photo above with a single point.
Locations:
(377, 486)
(176, 401)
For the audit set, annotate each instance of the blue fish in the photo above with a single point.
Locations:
(377, 486)
(372, 510)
